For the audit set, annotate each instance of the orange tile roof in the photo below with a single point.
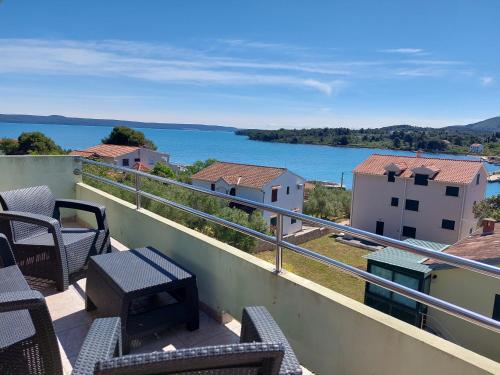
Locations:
(83, 153)
(254, 176)
(103, 150)
(448, 170)
(483, 248)
(141, 167)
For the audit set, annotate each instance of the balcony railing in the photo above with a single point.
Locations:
(281, 244)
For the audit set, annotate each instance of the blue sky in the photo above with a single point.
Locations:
(264, 64)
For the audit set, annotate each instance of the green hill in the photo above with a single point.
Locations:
(489, 125)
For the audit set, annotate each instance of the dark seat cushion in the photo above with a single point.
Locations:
(15, 326)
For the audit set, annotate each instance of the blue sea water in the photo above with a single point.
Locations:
(186, 146)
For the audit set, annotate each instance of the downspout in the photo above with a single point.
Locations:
(403, 209)
(462, 214)
(352, 198)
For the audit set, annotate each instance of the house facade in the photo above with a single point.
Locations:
(476, 148)
(417, 197)
(275, 186)
(140, 158)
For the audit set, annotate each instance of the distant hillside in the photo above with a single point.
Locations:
(62, 120)
(489, 125)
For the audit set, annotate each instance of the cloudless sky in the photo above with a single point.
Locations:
(262, 64)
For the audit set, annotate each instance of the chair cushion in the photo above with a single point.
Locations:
(80, 244)
(15, 326)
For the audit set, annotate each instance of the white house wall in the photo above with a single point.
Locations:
(293, 201)
(372, 202)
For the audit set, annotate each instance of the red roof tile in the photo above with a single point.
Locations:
(448, 170)
(483, 248)
(103, 150)
(254, 176)
(141, 167)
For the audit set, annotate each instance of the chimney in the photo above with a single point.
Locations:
(488, 225)
(419, 153)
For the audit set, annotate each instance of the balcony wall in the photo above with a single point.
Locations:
(330, 332)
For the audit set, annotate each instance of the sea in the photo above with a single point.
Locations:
(323, 163)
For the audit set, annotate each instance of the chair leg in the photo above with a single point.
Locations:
(192, 305)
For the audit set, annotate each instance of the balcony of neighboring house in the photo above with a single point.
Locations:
(329, 332)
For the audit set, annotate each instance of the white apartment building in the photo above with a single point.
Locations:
(275, 186)
(140, 158)
(476, 148)
(417, 197)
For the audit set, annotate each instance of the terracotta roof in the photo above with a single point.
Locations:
(103, 150)
(483, 248)
(449, 170)
(83, 153)
(141, 167)
(254, 176)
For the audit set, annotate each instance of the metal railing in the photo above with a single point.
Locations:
(280, 243)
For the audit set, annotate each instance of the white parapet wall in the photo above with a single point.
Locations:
(331, 333)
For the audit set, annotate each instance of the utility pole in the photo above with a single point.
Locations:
(342, 180)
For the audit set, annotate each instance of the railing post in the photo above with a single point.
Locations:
(137, 191)
(279, 238)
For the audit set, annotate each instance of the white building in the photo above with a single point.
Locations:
(476, 148)
(275, 186)
(417, 197)
(140, 158)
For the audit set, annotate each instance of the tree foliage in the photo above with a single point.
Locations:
(490, 207)
(162, 170)
(328, 203)
(123, 135)
(198, 201)
(400, 137)
(31, 143)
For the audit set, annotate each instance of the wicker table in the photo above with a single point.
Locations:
(143, 287)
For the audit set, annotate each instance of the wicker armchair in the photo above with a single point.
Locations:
(28, 344)
(41, 246)
(263, 350)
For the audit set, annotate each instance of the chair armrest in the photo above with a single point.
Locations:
(22, 300)
(6, 254)
(103, 342)
(54, 227)
(257, 325)
(202, 359)
(97, 209)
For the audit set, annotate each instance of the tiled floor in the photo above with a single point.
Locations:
(72, 322)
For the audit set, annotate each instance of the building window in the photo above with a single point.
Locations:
(379, 228)
(293, 220)
(232, 191)
(421, 179)
(452, 191)
(391, 176)
(137, 160)
(287, 190)
(125, 162)
(274, 195)
(477, 178)
(212, 187)
(274, 221)
(409, 232)
(496, 308)
(448, 224)
(411, 205)
(394, 202)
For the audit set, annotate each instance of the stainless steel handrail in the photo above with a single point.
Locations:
(439, 304)
(454, 260)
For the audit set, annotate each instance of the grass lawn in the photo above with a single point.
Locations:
(320, 273)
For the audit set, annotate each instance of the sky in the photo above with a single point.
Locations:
(253, 64)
